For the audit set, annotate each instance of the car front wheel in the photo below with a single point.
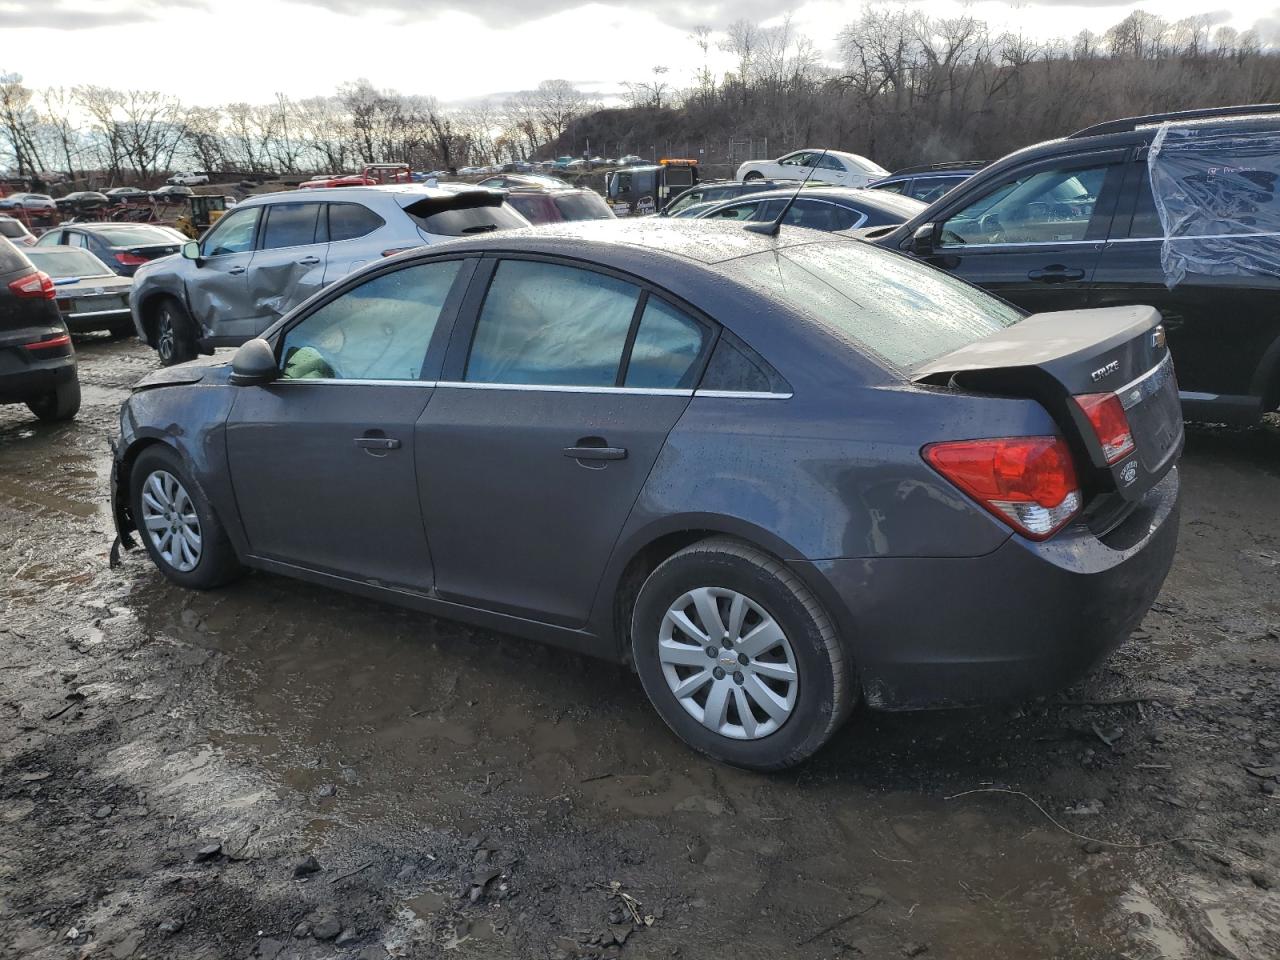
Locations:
(738, 657)
(753, 175)
(177, 524)
(175, 333)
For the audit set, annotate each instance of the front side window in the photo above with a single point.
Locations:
(739, 211)
(379, 330)
(290, 225)
(1044, 207)
(666, 348)
(233, 233)
(929, 189)
(801, 159)
(544, 323)
(686, 200)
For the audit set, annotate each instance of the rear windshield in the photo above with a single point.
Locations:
(583, 206)
(904, 311)
(135, 237)
(60, 263)
(468, 220)
(12, 228)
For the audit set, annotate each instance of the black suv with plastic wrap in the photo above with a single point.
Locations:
(1178, 210)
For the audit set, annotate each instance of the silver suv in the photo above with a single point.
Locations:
(272, 252)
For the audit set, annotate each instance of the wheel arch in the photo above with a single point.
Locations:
(1266, 377)
(642, 551)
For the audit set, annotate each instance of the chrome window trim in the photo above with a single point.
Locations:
(1207, 236)
(358, 381)
(566, 388)
(1004, 246)
(742, 394)
(863, 216)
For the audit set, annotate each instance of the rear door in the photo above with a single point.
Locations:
(560, 389)
(1035, 237)
(289, 263)
(218, 289)
(1219, 327)
(322, 459)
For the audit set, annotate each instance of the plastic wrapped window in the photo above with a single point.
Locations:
(1215, 194)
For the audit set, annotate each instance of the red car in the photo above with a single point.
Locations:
(554, 206)
(372, 175)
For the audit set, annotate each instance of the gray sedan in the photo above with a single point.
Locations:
(778, 475)
(273, 251)
(90, 296)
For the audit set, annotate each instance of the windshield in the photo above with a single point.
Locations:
(904, 311)
(60, 264)
(582, 206)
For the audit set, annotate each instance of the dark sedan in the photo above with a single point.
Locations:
(832, 209)
(89, 295)
(778, 475)
(123, 247)
(37, 358)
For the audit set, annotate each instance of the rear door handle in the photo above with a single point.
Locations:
(1056, 274)
(236, 271)
(309, 261)
(591, 452)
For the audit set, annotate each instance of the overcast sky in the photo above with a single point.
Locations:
(218, 51)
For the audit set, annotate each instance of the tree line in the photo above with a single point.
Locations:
(907, 88)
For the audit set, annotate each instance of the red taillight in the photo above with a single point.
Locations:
(57, 340)
(1028, 482)
(130, 259)
(1110, 424)
(34, 286)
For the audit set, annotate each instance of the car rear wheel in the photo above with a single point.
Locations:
(121, 329)
(175, 333)
(177, 524)
(61, 403)
(738, 657)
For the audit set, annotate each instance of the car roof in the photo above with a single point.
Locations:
(402, 191)
(109, 228)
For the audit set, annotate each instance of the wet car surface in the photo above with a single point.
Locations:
(471, 795)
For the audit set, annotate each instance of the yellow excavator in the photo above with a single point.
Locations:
(205, 211)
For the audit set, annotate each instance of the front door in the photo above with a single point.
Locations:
(289, 263)
(218, 287)
(1035, 239)
(322, 459)
(532, 454)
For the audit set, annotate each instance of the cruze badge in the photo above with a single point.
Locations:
(1129, 472)
(1106, 371)
(1157, 337)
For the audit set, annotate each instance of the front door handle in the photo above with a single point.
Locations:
(236, 271)
(1056, 274)
(309, 261)
(378, 443)
(595, 448)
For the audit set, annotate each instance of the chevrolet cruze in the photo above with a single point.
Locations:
(779, 475)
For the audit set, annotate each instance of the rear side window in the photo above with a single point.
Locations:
(290, 225)
(904, 311)
(898, 187)
(929, 189)
(462, 221)
(535, 207)
(544, 323)
(349, 221)
(582, 206)
(11, 228)
(735, 366)
(666, 349)
(817, 215)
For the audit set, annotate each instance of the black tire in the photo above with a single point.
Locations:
(175, 333)
(826, 691)
(121, 329)
(217, 563)
(753, 175)
(61, 403)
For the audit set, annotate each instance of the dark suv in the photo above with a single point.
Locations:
(37, 360)
(1075, 223)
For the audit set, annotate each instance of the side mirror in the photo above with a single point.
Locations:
(191, 250)
(922, 240)
(254, 364)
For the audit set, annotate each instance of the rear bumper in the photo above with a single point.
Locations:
(97, 320)
(23, 378)
(1025, 620)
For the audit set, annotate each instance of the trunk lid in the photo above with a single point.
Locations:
(1054, 357)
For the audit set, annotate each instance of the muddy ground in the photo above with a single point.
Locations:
(168, 761)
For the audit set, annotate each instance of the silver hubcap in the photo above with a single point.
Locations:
(728, 663)
(171, 521)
